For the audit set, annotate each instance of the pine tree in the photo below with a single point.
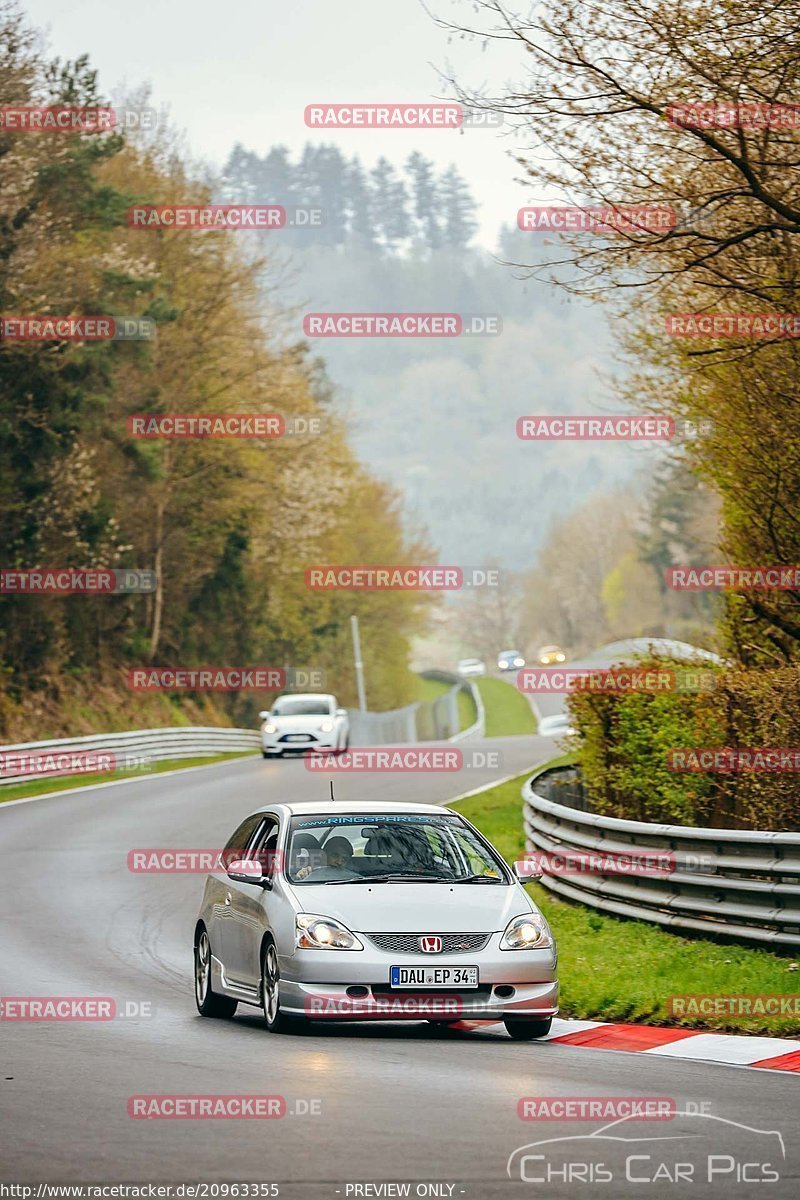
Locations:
(458, 210)
(389, 203)
(426, 210)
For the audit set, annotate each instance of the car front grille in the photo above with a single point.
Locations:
(409, 943)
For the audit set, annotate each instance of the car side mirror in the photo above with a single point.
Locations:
(527, 868)
(247, 870)
(263, 716)
(341, 712)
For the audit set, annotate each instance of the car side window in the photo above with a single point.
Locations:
(240, 839)
(265, 850)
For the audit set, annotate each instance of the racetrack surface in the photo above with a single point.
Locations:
(396, 1102)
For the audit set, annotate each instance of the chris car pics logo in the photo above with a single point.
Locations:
(696, 1147)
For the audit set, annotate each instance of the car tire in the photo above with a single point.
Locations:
(209, 1003)
(270, 753)
(526, 1031)
(343, 749)
(277, 1021)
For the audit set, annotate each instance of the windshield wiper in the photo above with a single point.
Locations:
(396, 877)
(479, 879)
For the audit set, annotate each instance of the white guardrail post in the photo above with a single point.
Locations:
(740, 883)
(131, 750)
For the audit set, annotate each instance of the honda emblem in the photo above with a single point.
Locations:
(430, 945)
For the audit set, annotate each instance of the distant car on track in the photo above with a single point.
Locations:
(471, 666)
(558, 725)
(510, 660)
(355, 910)
(549, 656)
(310, 721)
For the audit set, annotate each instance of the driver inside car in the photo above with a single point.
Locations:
(337, 852)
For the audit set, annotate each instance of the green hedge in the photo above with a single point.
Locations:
(625, 739)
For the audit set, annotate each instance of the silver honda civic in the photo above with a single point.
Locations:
(342, 911)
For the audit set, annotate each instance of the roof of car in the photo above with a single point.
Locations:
(307, 696)
(324, 806)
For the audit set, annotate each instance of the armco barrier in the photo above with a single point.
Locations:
(140, 746)
(430, 720)
(735, 882)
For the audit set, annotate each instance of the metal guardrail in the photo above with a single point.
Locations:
(130, 750)
(478, 728)
(136, 748)
(430, 720)
(396, 725)
(740, 883)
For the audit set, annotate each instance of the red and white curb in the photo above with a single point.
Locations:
(774, 1054)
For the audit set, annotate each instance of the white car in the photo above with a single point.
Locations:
(470, 666)
(359, 911)
(557, 725)
(309, 721)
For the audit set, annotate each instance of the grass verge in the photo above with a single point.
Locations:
(60, 783)
(613, 969)
(428, 690)
(507, 710)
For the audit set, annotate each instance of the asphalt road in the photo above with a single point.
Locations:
(393, 1103)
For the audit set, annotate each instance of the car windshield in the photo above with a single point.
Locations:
(389, 848)
(301, 708)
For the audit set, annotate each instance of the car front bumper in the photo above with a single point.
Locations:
(324, 744)
(513, 983)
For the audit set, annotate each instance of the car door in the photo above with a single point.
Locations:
(246, 919)
(221, 896)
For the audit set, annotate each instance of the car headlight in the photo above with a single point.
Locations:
(269, 728)
(519, 662)
(326, 727)
(529, 932)
(324, 933)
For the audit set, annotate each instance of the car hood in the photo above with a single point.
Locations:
(298, 724)
(415, 907)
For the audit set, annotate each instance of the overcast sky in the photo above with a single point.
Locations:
(245, 72)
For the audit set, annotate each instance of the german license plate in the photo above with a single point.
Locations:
(415, 977)
(298, 737)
